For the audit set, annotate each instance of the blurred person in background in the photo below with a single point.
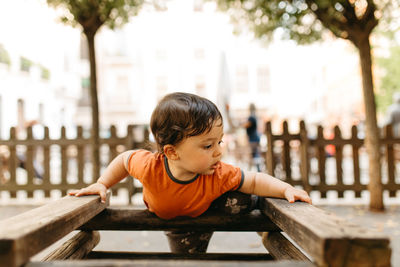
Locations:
(253, 137)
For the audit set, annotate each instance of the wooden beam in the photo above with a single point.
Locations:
(131, 219)
(328, 239)
(166, 263)
(78, 247)
(281, 248)
(177, 256)
(24, 235)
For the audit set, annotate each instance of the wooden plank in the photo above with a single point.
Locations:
(270, 149)
(168, 263)
(356, 160)
(285, 160)
(29, 158)
(281, 248)
(131, 219)
(390, 159)
(46, 161)
(321, 157)
(26, 234)
(64, 161)
(78, 247)
(80, 156)
(339, 160)
(328, 239)
(13, 162)
(304, 157)
(178, 256)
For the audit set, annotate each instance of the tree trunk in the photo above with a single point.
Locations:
(95, 140)
(372, 136)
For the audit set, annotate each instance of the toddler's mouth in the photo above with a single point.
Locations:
(215, 165)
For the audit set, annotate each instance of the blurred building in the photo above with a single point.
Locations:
(39, 68)
(190, 47)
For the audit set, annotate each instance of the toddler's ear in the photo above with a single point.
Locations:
(170, 152)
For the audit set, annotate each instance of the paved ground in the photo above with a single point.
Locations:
(387, 222)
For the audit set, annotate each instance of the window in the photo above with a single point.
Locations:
(242, 79)
(161, 86)
(25, 64)
(199, 54)
(122, 88)
(161, 54)
(200, 85)
(84, 100)
(4, 56)
(263, 79)
(84, 48)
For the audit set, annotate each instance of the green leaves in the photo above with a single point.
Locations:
(92, 14)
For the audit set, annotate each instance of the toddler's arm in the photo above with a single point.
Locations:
(265, 185)
(115, 172)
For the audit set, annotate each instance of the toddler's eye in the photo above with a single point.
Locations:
(220, 142)
(208, 147)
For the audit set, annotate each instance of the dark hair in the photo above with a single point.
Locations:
(180, 115)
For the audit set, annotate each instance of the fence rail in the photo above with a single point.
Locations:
(287, 152)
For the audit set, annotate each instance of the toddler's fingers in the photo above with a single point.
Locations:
(290, 198)
(73, 192)
(103, 196)
(304, 198)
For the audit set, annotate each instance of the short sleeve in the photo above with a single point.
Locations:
(137, 162)
(230, 177)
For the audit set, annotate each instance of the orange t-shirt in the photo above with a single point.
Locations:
(168, 197)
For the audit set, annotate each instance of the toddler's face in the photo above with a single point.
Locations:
(201, 153)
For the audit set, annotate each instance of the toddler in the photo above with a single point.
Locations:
(186, 176)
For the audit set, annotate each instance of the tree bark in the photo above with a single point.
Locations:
(372, 136)
(95, 139)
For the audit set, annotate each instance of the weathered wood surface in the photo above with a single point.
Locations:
(166, 263)
(328, 239)
(281, 248)
(78, 247)
(177, 256)
(24, 235)
(131, 219)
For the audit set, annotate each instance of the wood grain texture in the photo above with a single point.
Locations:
(24, 235)
(328, 239)
(177, 256)
(78, 247)
(167, 263)
(281, 248)
(131, 219)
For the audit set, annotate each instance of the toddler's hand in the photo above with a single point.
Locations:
(292, 194)
(93, 189)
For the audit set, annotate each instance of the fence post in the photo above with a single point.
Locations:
(64, 161)
(339, 160)
(321, 157)
(46, 161)
(285, 161)
(356, 161)
(29, 157)
(304, 157)
(390, 159)
(270, 149)
(80, 157)
(13, 161)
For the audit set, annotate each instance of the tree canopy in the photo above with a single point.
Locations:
(90, 15)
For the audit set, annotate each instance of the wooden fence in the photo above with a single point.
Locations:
(296, 158)
(303, 160)
(71, 158)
